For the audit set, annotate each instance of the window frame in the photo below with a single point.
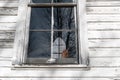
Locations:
(22, 34)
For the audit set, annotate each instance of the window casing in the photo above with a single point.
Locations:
(22, 46)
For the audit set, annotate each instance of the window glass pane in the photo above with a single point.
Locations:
(40, 18)
(65, 44)
(64, 18)
(39, 45)
(49, 1)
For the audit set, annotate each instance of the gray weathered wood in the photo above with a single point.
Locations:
(8, 18)
(6, 52)
(59, 73)
(103, 10)
(103, 3)
(82, 32)
(8, 4)
(56, 78)
(104, 34)
(104, 43)
(103, 18)
(6, 35)
(8, 26)
(8, 11)
(21, 34)
(104, 52)
(104, 26)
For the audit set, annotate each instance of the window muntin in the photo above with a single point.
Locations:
(53, 33)
(54, 1)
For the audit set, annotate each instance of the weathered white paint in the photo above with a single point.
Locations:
(8, 11)
(58, 72)
(103, 10)
(57, 78)
(108, 26)
(103, 23)
(104, 34)
(8, 18)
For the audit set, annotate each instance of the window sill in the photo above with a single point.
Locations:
(51, 66)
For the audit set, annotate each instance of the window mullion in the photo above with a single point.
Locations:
(52, 32)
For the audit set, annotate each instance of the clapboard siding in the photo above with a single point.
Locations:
(8, 19)
(103, 17)
(103, 22)
(104, 34)
(58, 72)
(8, 11)
(6, 35)
(7, 26)
(103, 52)
(103, 10)
(104, 26)
(106, 3)
(8, 4)
(6, 52)
(57, 79)
(104, 43)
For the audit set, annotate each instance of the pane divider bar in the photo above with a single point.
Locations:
(52, 4)
(50, 30)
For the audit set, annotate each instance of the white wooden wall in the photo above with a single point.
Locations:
(103, 21)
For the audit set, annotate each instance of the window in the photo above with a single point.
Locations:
(49, 33)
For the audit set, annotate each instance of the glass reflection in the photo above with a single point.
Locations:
(64, 18)
(39, 45)
(66, 42)
(40, 18)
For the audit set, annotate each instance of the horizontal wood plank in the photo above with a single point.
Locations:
(55, 78)
(104, 52)
(105, 62)
(59, 73)
(8, 26)
(103, 10)
(103, 34)
(6, 44)
(5, 63)
(8, 3)
(104, 43)
(6, 52)
(8, 11)
(104, 26)
(4, 35)
(103, 3)
(103, 18)
(8, 18)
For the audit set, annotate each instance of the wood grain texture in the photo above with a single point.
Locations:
(104, 43)
(8, 11)
(8, 19)
(6, 35)
(103, 34)
(56, 78)
(57, 72)
(106, 3)
(8, 4)
(6, 52)
(103, 18)
(8, 26)
(104, 26)
(103, 10)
